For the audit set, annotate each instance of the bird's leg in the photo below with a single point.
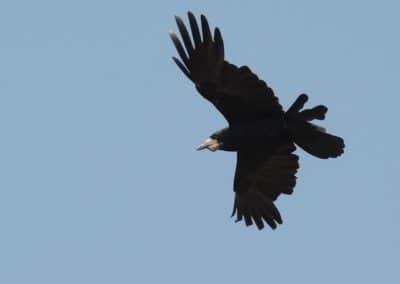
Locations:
(294, 110)
(210, 144)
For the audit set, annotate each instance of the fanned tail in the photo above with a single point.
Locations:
(310, 137)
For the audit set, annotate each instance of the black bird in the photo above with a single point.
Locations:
(260, 131)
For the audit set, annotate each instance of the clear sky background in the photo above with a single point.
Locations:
(99, 179)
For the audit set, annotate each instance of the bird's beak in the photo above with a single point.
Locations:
(210, 144)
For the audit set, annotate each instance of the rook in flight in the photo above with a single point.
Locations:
(259, 130)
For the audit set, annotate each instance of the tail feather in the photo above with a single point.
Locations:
(319, 127)
(310, 137)
(316, 142)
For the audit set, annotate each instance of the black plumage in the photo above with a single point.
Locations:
(260, 131)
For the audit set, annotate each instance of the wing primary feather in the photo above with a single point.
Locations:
(185, 35)
(206, 30)
(275, 213)
(182, 67)
(179, 48)
(247, 220)
(269, 221)
(247, 217)
(195, 30)
(219, 50)
(257, 219)
(218, 40)
(239, 216)
(278, 219)
(234, 208)
(259, 222)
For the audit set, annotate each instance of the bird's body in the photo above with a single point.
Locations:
(260, 131)
(264, 133)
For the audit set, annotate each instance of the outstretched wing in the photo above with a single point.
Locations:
(259, 179)
(235, 91)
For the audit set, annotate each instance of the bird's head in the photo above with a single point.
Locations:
(220, 140)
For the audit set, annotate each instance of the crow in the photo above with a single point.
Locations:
(263, 135)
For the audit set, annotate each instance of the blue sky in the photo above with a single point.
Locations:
(100, 182)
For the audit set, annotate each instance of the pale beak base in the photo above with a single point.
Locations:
(210, 144)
